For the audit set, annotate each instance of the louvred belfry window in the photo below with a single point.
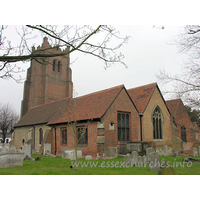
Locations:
(157, 124)
(123, 126)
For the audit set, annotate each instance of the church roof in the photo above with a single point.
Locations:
(173, 105)
(91, 106)
(141, 95)
(41, 114)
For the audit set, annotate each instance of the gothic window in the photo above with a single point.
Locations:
(40, 136)
(82, 135)
(157, 124)
(123, 126)
(59, 66)
(54, 65)
(64, 135)
(183, 134)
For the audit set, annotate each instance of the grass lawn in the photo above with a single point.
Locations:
(59, 166)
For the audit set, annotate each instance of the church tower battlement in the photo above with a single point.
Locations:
(48, 79)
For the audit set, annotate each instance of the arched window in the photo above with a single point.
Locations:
(23, 141)
(157, 124)
(40, 136)
(59, 66)
(54, 65)
(183, 134)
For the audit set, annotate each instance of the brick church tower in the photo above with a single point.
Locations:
(47, 79)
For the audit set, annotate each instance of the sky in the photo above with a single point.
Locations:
(147, 51)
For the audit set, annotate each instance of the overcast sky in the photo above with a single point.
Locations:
(148, 51)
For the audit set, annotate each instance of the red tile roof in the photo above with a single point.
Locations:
(141, 95)
(41, 114)
(173, 105)
(91, 106)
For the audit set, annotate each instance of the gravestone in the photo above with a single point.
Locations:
(144, 158)
(70, 154)
(50, 155)
(166, 150)
(26, 149)
(134, 158)
(148, 151)
(29, 158)
(4, 149)
(8, 160)
(127, 160)
(98, 157)
(47, 148)
(12, 149)
(88, 157)
(195, 153)
(140, 161)
(154, 161)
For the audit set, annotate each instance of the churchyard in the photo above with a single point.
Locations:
(146, 163)
(60, 166)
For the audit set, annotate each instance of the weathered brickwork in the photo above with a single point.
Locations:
(147, 121)
(45, 82)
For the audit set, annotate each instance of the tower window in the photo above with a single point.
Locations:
(54, 65)
(59, 65)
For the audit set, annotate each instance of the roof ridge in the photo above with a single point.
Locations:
(101, 91)
(173, 100)
(50, 102)
(143, 86)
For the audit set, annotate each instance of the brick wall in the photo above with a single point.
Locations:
(156, 100)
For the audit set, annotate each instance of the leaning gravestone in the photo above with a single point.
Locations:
(195, 153)
(148, 151)
(134, 158)
(26, 149)
(47, 148)
(166, 150)
(154, 161)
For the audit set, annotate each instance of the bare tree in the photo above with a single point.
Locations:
(186, 84)
(92, 40)
(80, 133)
(8, 118)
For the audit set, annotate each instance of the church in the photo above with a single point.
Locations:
(110, 122)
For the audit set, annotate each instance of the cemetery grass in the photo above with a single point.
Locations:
(59, 166)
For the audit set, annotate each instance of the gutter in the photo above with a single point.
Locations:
(141, 115)
(55, 140)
